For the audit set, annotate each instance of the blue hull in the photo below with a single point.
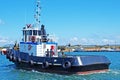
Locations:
(62, 65)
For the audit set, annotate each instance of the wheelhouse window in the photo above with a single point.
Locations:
(27, 32)
(39, 32)
(30, 32)
(34, 32)
(23, 32)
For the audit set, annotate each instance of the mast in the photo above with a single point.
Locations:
(37, 14)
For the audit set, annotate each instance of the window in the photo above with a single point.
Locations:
(23, 32)
(27, 32)
(30, 32)
(39, 32)
(34, 32)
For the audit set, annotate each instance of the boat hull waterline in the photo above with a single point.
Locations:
(83, 64)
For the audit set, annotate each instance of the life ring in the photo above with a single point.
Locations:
(45, 65)
(66, 65)
(29, 47)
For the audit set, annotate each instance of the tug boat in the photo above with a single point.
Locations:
(38, 52)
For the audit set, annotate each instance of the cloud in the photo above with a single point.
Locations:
(118, 37)
(105, 40)
(102, 40)
(53, 37)
(4, 41)
(87, 41)
(74, 39)
(108, 41)
(84, 40)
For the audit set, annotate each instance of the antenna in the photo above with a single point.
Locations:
(37, 14)
(25, 17)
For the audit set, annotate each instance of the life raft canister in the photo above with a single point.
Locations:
(45, 65)
(52, 48)
(66, 65)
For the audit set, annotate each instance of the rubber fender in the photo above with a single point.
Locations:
(31, 62)
(66, 65)
(11, 57)
(19, 59)
(14, 58)
(45, 65)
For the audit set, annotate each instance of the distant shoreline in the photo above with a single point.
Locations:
(92, 51)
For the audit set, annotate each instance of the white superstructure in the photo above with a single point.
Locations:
(35, 41)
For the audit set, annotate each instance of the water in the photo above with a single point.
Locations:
(8, 70)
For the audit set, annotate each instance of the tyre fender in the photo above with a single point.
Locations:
(11, 57)
(66, 65)
(31, 62)
(19, 59)
(45, 65)
(14, 57)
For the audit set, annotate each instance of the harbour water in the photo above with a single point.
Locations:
(8, 70)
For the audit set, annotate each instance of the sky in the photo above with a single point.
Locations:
(85, 22)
